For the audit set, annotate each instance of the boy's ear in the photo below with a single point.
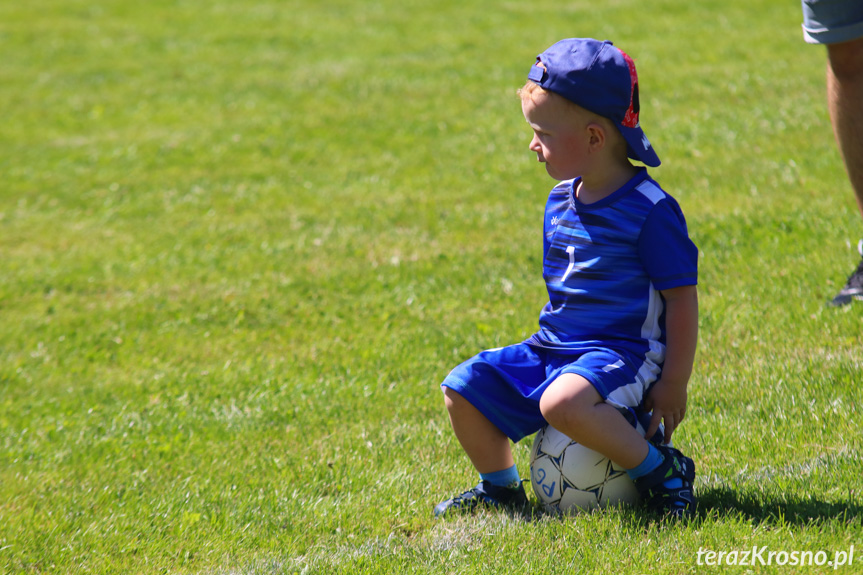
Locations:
(596, 136)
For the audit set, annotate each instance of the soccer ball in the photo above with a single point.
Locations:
(567, 476)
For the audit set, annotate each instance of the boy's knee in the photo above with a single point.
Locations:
(555, 411)
(451, 398)
(846, 60)
(564, 406)
(549, 405)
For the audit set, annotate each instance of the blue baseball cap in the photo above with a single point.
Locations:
(600, 78)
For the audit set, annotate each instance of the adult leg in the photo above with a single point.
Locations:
(845, 102)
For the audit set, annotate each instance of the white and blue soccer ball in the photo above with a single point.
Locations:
(567, 476)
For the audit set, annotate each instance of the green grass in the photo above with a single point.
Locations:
(243, 242)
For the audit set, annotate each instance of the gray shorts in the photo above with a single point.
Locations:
(832, 21)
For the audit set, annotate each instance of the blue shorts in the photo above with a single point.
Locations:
(505, 384)
(832, 21)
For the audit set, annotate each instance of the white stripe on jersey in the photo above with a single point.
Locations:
(633, 393)
(651, 191)
(651, 331)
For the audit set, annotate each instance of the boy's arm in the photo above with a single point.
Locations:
(667, 398)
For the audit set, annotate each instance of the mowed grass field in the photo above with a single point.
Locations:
(243, 242)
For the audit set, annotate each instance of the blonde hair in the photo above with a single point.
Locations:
(530, 90)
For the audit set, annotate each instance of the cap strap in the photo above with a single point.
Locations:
(537, 72)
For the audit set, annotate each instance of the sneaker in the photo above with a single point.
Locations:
(485, 494)
(854, 286)
(674, 501)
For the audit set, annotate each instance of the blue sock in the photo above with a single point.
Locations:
(651, 462)
(503, 478)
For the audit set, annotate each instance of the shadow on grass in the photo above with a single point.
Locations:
(719, 503)
(777, 509)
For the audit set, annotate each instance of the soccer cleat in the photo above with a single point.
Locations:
(485, 494)
(854, 286)
(673, 501)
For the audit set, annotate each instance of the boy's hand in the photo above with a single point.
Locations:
(667, 400)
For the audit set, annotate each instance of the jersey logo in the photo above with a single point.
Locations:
(573, 266)
(555, 220)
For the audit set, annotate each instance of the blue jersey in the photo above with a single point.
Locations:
(604, 266)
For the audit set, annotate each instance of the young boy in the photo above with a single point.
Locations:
(617, 338)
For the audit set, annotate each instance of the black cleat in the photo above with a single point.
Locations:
(854, 286)
(676, 502)
(485, 494)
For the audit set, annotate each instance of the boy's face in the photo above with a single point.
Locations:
(560, 136)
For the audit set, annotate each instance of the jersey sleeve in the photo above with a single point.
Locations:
(667, 253)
